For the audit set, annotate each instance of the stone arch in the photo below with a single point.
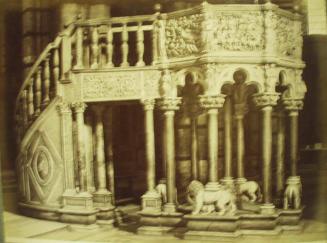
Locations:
(182, 76)
(254, 76)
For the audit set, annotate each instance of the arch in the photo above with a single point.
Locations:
(196, 73)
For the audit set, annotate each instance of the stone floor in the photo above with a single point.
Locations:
(21, 229)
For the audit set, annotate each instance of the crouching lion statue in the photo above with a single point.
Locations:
(293, 191)
(206, 202)
(250, 191)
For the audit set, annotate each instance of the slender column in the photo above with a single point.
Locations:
(140, 45)
(280, 153)
(56, 70)
(266, 101)
(99, 149)
(228, 179)
(94, 47)
(124, 46)
(110, 152)
(66, 127)
(79, 48)
(194, 149)
(79, 109)
(148, 106)
(25, 108)
(30, 97)
(240, 110)
(169, 106)
(212, 104)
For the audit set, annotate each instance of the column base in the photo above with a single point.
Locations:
(212, 186)
(228, 182)
(169, 208)
(151, 202)
(102, 201)
(78, 208)
(267, 209)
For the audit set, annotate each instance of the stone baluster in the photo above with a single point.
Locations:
(37, 90)
(169, 106)
(25, 108)
(211, 104)
(140, 45)
(228, 178)
(240, 110)
(151, 200)
(124, 46)
(30, 100)
(79, 48)
(94, 47)
(79, 108)
(265, 102)
(155, 43)
(55, 70)
(110, 48)
(280, 152)
(46, 83)
(66, 58)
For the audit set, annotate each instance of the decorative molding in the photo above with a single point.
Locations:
(266, 99)
(211, 102)
(169, 104)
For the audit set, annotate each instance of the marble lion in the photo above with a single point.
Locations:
(250, 191)
(206, 202)
(292, 194)
(161, 188)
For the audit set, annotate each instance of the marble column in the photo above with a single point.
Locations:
(240, 111)
(66, 126)
(169, 106)
(280, 152)
(265, 102)
(151, 200)
(293, 106)
(79, 108)
(194, 149)
(102, 197)
(110, 151)
(228, 178)
(211, 104)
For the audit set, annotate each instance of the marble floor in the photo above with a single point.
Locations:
(21, 229)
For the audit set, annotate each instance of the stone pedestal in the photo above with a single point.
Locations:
(78, 208)
(103, 203)
(290, 220)
(151, 202)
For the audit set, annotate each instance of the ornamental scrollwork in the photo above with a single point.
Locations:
(183, 35)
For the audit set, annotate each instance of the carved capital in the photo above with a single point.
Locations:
(169, 104)
(79, 107)
(292, 104)
(211, 102)
(266, 99)
(64, 108)
(148, 104)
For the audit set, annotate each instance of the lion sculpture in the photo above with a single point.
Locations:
(250, 191)
(161, 188)
(206, 202)
(292, 194)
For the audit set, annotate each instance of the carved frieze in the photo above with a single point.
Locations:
(183, 36)
(238, 31)
(113, 85)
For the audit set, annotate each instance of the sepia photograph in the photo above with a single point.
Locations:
(163, 121)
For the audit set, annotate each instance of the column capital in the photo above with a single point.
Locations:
(169, 104)
(79, 107)
(292, 104)
(240, 110)
(64, 108)
(148, 104)
(266, 99)
(211, 101)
